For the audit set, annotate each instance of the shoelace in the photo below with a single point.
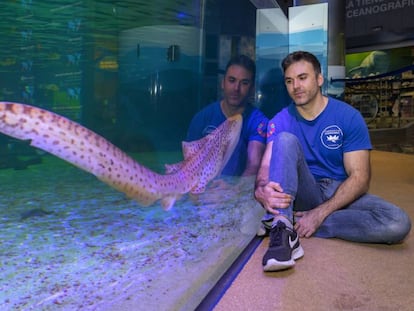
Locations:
(276, 235)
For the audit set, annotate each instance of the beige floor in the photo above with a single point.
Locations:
(339, 275)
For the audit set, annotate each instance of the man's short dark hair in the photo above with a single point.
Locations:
(298, 56)
(243, 61)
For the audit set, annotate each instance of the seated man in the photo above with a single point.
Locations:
(237, 86)
(316, 168)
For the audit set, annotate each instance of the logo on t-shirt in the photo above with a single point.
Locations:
(331, 137)
(261, 129)
(271, 128)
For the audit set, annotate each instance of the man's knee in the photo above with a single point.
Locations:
(286, 137)
(399, 228)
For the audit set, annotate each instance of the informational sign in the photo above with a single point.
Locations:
(365, 17)
(360, 8)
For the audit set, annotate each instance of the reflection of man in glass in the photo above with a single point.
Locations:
(237, 87)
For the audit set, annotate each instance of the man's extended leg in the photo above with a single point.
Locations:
(370, 219)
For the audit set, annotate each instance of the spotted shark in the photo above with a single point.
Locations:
(203, 159)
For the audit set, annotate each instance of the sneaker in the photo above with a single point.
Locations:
(262, 231)
(284, 248)
(265, 225)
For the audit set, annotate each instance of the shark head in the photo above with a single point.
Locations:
(204, 159)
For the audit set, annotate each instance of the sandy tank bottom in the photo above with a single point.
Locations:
(70, 242)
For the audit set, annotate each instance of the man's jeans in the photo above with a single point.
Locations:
(368, 219)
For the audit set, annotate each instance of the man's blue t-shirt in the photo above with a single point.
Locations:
(254, 128)
(338, 129)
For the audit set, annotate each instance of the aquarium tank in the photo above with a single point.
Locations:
(130, 75)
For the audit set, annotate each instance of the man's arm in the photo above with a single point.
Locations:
(357, 166)
(255, 151)
(269, 194)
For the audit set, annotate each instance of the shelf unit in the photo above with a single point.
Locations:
(386, 100)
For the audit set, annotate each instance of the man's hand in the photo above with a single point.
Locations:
(272, 197)
(308, 222)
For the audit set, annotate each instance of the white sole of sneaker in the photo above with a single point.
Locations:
(274, 265)
(298, 253)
